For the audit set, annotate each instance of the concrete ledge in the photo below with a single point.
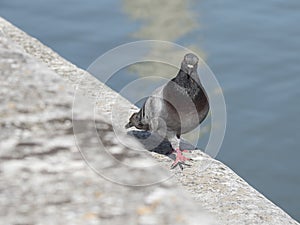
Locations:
(45, 181)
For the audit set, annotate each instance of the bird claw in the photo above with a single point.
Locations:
(180, 164)
(180, 160)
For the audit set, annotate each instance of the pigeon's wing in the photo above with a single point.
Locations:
(160, 114)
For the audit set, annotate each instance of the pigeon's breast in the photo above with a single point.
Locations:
(190, 108)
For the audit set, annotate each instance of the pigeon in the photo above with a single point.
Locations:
(175, 108)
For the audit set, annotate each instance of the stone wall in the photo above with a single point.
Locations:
(45, 180)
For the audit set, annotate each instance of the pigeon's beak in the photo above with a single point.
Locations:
(128, 125)
(190, 68)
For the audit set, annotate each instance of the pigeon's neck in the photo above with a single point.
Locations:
(190, 83)
(194, 75)
(183, 77)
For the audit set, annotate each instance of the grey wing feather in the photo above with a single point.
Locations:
(161, 115)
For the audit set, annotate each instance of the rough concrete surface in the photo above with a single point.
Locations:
(44, 179)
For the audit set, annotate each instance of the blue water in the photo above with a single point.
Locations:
(253, 47)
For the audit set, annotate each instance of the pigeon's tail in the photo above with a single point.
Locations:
(128, 125)
(137, 120)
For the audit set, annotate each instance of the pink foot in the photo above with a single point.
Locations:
(180, 159)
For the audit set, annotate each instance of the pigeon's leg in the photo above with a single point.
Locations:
(180, 158)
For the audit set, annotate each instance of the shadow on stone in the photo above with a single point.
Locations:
(154, 143)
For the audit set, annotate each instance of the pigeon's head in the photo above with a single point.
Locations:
(135, 121)
(189, 63)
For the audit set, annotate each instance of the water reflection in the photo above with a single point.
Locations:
(162, 20)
